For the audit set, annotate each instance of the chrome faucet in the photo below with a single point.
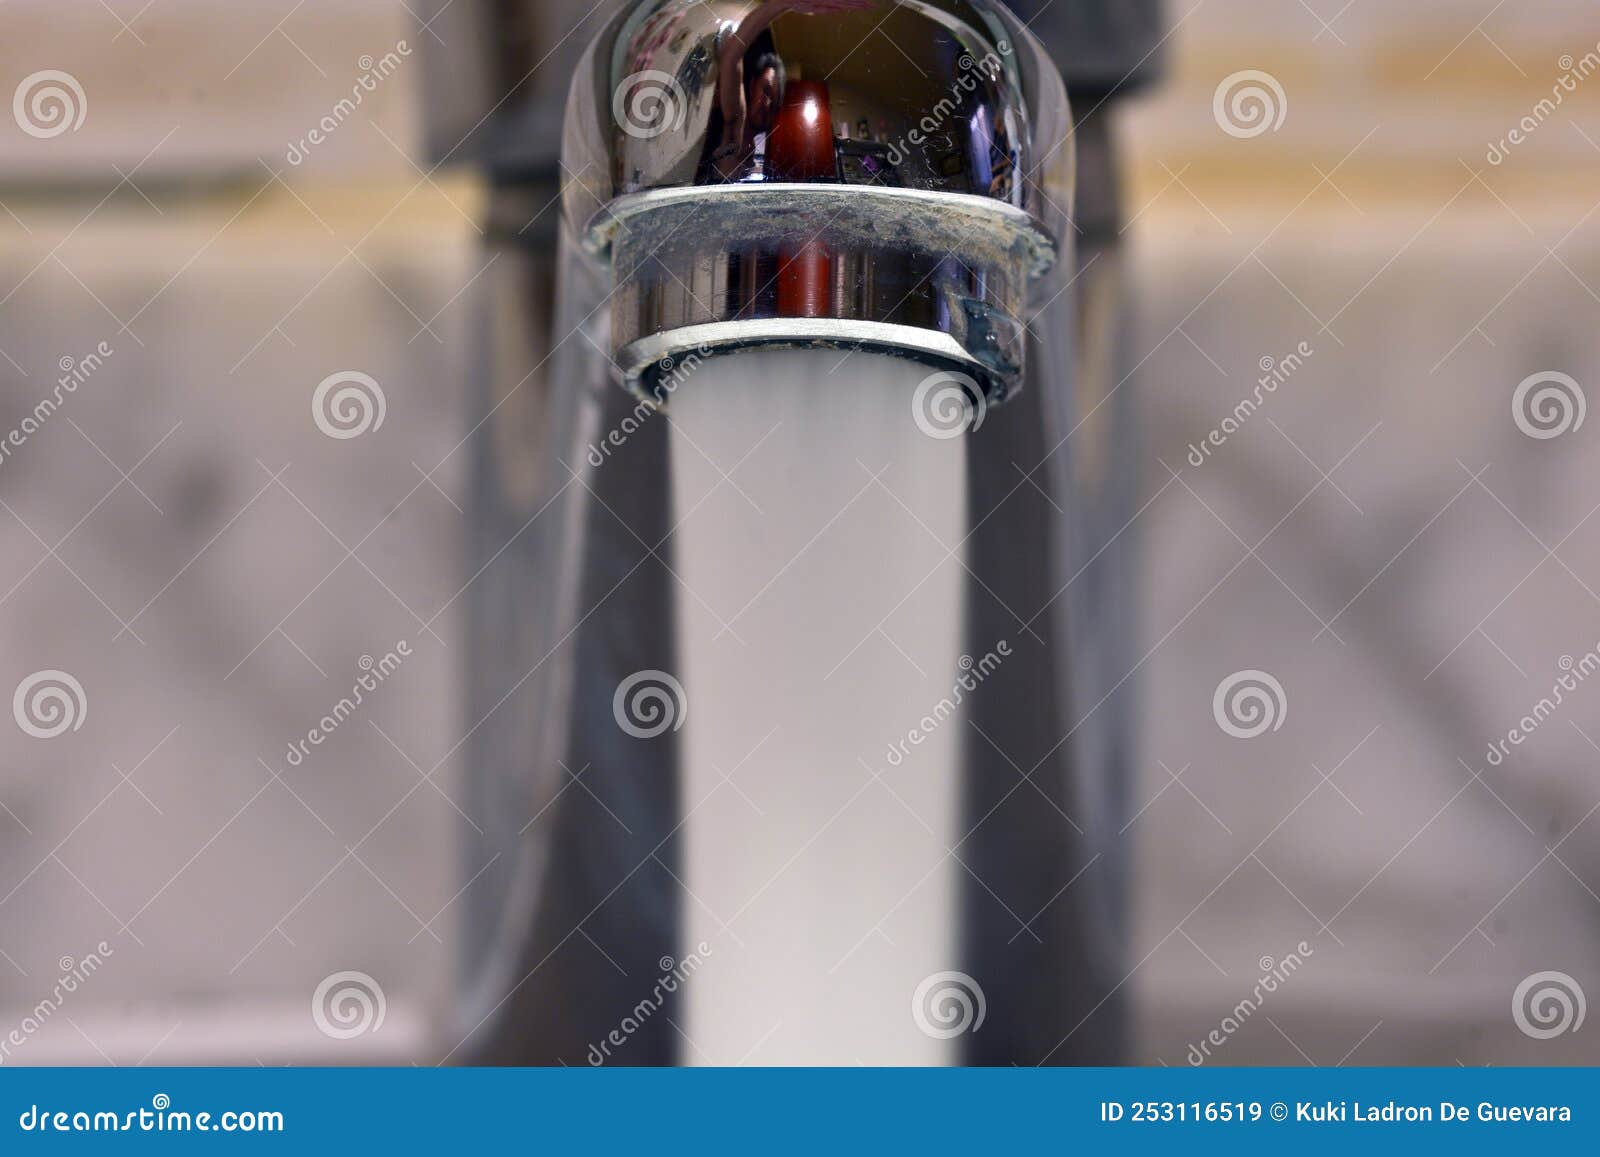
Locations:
(895, 176)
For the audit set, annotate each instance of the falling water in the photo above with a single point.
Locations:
(818, 552)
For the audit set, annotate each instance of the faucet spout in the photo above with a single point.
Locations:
(892, 175)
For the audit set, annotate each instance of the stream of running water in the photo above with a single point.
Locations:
(821, 625)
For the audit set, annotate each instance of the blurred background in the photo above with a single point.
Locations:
(1380, 533)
